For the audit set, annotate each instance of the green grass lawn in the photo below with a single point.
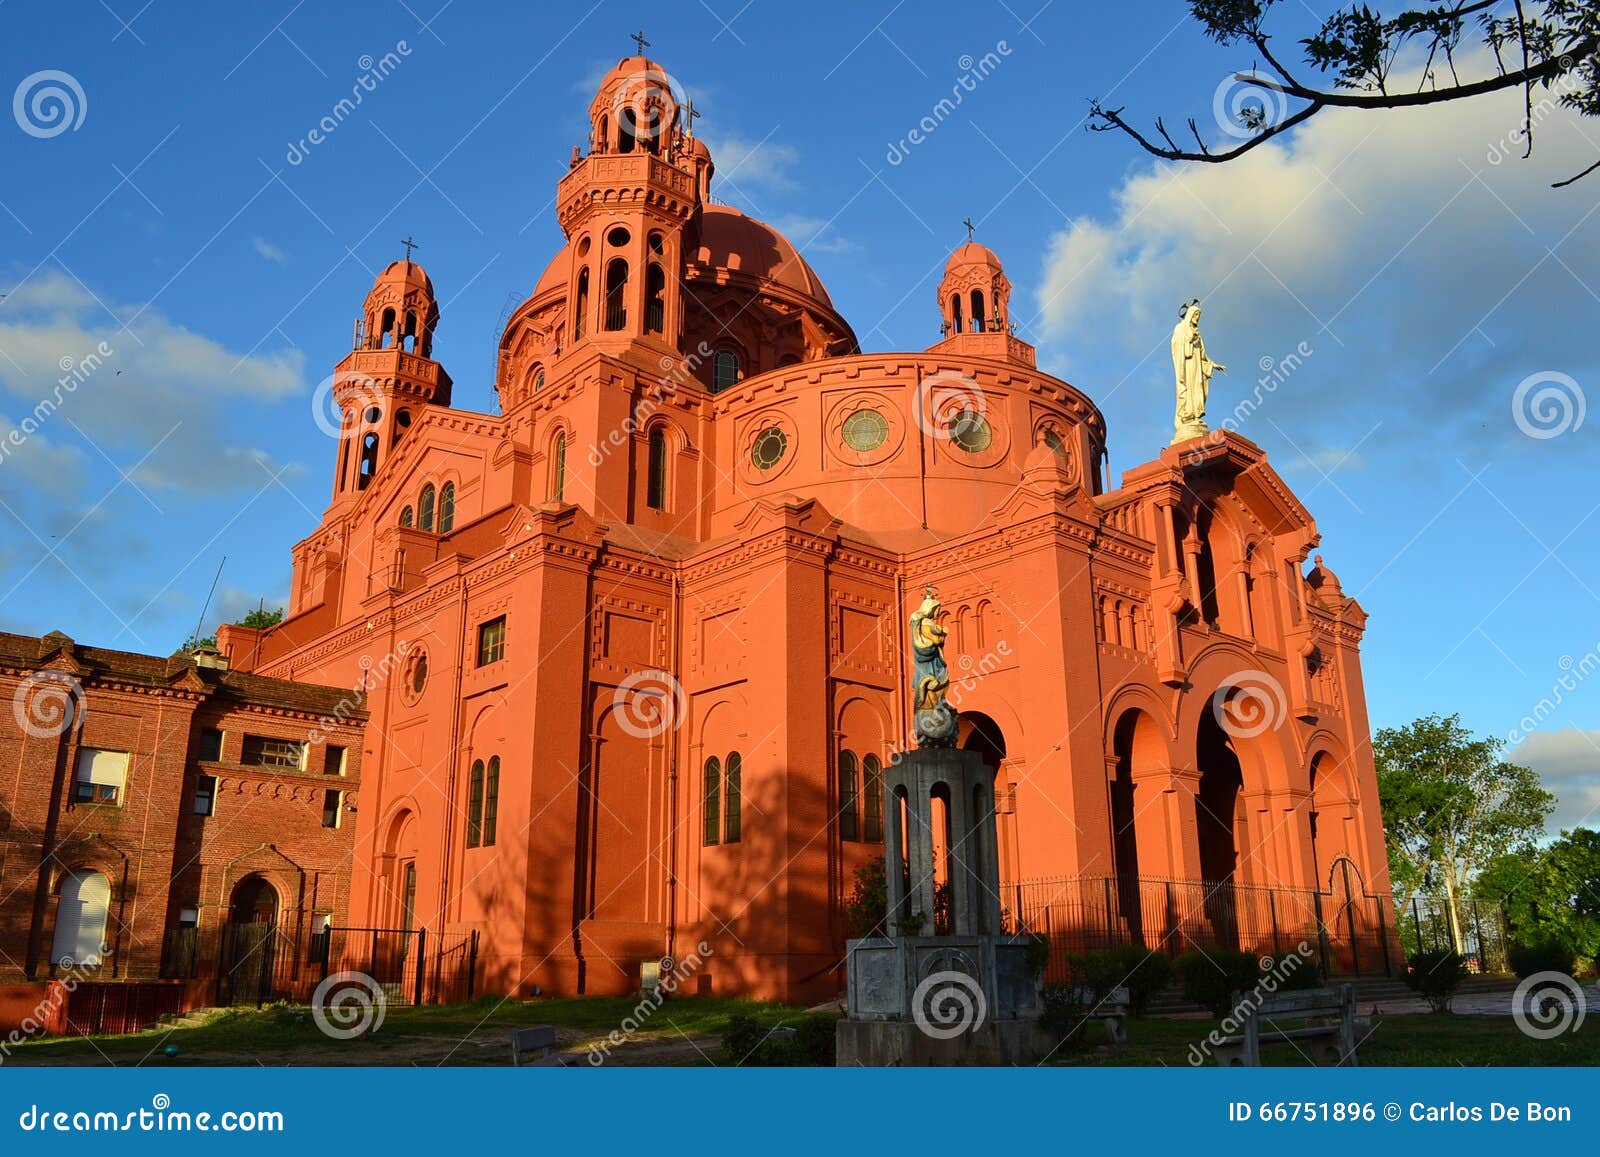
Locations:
(687, 1032)
(682, 1032)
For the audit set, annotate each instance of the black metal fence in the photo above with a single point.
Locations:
(1425, 924)
(264, 961)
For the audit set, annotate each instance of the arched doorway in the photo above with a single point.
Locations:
(1138, 750)
(250, 942)
(1219, 825)
(81, 912)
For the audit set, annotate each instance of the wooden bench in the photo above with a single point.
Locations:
(1111, 1010)
(1328, 1025)
(532, 1043)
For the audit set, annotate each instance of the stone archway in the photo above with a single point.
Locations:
(250, 942)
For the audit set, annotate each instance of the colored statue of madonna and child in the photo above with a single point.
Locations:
(934, 720)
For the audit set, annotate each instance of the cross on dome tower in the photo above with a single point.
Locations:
(975, 305)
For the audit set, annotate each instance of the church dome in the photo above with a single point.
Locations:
(730, 240)
(405, 274)
(971, 253)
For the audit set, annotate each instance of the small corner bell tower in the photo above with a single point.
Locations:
(388, 376)
(624, 208)
(975, 306)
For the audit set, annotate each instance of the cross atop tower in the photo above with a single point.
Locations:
(410, 245)
(967, 221)
(638, 38)
(691, 114)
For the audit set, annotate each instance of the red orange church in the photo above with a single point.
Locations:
(634, 646)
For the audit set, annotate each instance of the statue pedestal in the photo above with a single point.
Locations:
(1188, 431)
(941, 1000)
(967, 996)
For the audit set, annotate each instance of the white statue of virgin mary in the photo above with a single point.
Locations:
(1193, 370)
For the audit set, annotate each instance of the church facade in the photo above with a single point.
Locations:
(634, 648)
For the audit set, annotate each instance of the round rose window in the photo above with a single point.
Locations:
(767, 450)
(970, 431)
(865, 430)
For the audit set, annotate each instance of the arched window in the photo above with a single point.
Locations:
(475, 805)
(81, 912)
(955, 312)
(386, 332)
(656, 486)
(558, 470)
(724, 370)
(977, 311)
(402, 423)
(655, 299)
(447, 507)
(406, 517)
(617, 294)
(872, 787)
(491, 801)
(369, 460)
(408, 340)
(580, 312)
(625, 131)
(733, 817)
(605, 133)
(849, 814)
(425, 508)
(713, 802)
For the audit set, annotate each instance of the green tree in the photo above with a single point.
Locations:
(1551, 894)
(1451, 805)
(1537, 45)
(261, 619)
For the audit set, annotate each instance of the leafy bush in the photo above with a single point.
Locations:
(1291, 972)
(1543, 956)
(1141, 970)
(1064, 1017)
(808, 1041)
(1437, 976)
(1211, 976)
(868, 906)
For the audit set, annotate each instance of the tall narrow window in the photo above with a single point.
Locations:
(369, 460)
(558, 470)
(425, 508)
(655, 299)
(332, 805)
(81, 911)
(491, 800)
(872, 787)
(656, 489)
(475, 804)
(205, 795)
(580, 313)
(849, 792)
(447, 507)
(724, 370)
(713, 801)
(491, 641)
(977, 311)
(407, 517)
(955, 312)
(408, 897)
(733, 817)
(617, 294)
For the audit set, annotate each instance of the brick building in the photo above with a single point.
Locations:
(147, 803)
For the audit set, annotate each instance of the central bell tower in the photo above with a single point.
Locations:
(625, 207)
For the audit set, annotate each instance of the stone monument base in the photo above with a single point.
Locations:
(1187, 431)
(900, 1043)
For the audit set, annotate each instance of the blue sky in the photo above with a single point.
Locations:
(1417, 275)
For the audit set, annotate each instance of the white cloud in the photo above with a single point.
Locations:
(768, 163)
(1568, 761)
(269, 251)
(1388, 241)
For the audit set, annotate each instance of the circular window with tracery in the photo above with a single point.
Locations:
(416, 676)
(865, 430)
(970, 431)
(768, 448)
